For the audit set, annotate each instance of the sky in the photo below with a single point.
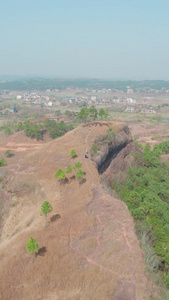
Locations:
(110, 39)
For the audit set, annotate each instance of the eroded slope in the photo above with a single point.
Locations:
(90, 252)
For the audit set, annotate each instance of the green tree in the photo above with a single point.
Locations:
(68, 169)
(68, 113)
(32, 246)
(73, 153)
(60, 174)
(79, 174)
(83, 114)
(18, 127)
(8, 153)
(93, 112)
(2, 163)
(58, 112)
(7, 131)
(78, 165)
(46, 208)
(102, 113)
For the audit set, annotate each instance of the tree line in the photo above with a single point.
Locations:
(44, 83)
(92, 112)
(37, 130)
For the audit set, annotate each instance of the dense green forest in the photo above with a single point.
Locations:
(146, 193)
(61, 84)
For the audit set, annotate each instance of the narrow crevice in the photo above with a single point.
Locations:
(112, 154)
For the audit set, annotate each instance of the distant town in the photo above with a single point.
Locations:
(61, 99)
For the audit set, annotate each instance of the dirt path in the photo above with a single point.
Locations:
(19, 147)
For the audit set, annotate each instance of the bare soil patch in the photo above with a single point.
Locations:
(90, 252)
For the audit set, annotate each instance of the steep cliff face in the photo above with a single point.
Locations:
(115, 153)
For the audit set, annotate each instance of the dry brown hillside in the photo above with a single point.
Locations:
(89, 250)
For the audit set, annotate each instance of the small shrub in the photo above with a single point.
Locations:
(78, 165)
(68, 169)
(8, 153)
(7, 131)
(60, 174)
(79, 174)
(2, 163)
(73, 153)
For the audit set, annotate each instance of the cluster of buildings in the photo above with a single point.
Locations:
(35, 98)
(94, 100)
(89, 100)
(145, 110)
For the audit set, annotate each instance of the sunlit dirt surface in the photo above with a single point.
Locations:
(89, 251)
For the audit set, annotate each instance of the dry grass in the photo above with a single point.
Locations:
(89, 250)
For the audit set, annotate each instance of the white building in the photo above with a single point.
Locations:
(131, 100)
(93, 98)
(130, 108)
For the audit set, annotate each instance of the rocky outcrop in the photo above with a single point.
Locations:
(109, 146)
(115, 154)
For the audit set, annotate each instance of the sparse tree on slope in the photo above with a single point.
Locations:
(73, 153)
(78, 165)
(8, 153)
(32, 247)
(79, 174)
(60, 174)
(68, 169)
(46, 208)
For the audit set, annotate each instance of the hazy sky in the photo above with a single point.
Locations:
(85, 38)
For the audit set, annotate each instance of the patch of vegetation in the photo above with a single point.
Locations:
(33, 130)
(79, 174)
(69, 169)
(56, 129)
(46, 208)
(7, 131)
(2, 163)
(92, 112)
(8, 153)
(94, 149)
(103, 113)
(137, 144)
(146, 193)
(163, 147)
(78, 165)
(18, 127)
(110, 135)
(73, 153)
(60, 174)
(32, 247)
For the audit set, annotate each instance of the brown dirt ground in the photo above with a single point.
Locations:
(89, 252)
(145, 131)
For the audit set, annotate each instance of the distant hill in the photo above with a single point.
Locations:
(18, 84)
